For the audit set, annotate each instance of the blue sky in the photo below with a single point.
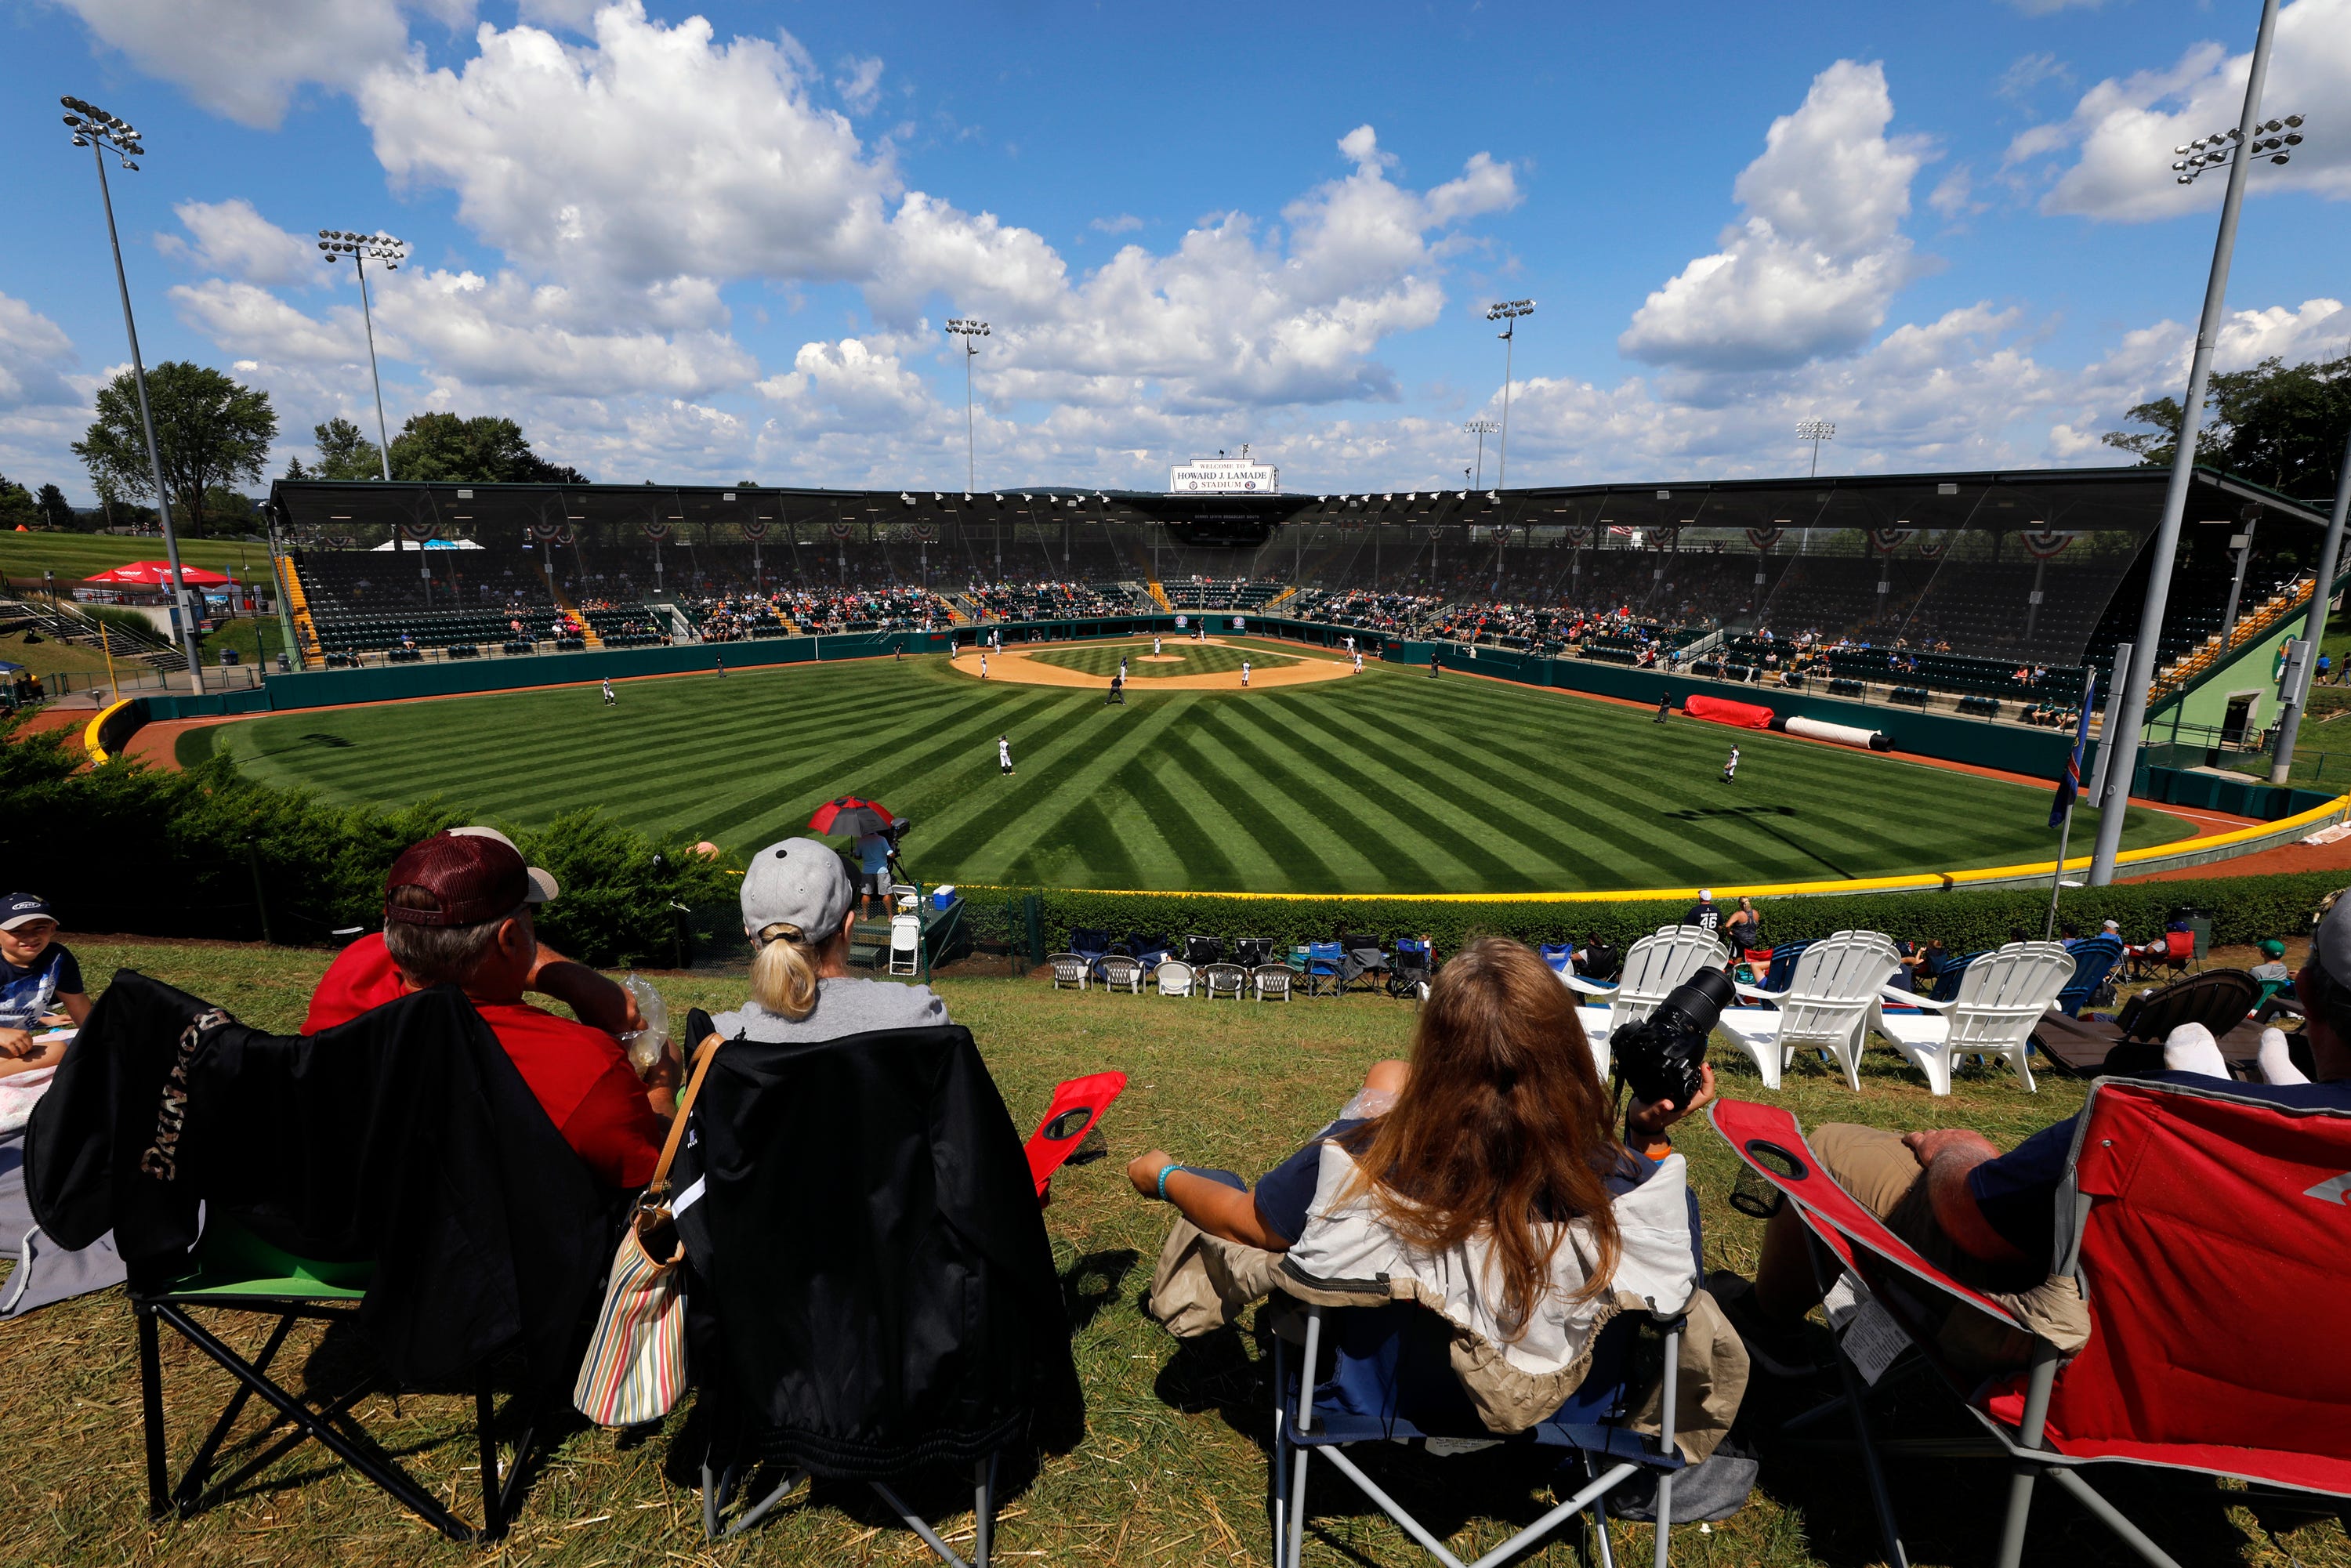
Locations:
(713, 242)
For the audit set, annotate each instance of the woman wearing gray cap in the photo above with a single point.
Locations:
(797, 909)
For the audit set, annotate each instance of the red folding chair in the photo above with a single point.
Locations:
(1078, 1105)
(2209, 1230)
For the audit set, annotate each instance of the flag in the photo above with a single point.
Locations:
(2069, 783)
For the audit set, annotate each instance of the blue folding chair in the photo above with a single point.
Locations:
(1092, 944)
(1382, 1374)
(1560, 955)
(1948, 975)
(1326, 970)
(2095, 959)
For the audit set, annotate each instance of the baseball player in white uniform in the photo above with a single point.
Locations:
(1731, 769)
(1245, 667)
(1004, 755)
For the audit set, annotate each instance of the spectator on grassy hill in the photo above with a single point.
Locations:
(1988, 1219)
(2272, 965)
(1744, 929)
(1704, 915)
(457, 911)
(798, 909)
(39, 981)
(1498, 1049)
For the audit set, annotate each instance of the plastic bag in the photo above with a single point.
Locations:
(644, 1045)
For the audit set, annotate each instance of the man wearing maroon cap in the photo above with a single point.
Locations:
(457, 911)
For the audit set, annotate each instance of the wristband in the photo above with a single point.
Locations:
(1164, 1173)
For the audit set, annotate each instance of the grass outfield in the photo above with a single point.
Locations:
(24, 557)
(1385, 783)
(1184, 659)
(1172, 1468)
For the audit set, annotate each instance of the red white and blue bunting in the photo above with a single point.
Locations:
(2047, 544)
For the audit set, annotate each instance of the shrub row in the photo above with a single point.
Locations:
(211, 852)
(2242, 909)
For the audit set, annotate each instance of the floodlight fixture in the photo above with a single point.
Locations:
(101, 133)
(1480, 428)
(970, 330)
(1817, 431)
(2275, 140)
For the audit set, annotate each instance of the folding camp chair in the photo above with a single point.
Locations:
(905, 944)
(233, 1270)
(1079, 1105)
(1174, 978)
(1830, 1001)
(2187, 1219)
(1150, 950)
(1325, 969)
(1091, 943)
(2132, 1040)
(1410, 971)
(1224, 982)
(1120, 973)
(2001, 998)
(1072, 969)
(1272, 982)
(1653, 967)
(1560, 957)
(1365, 953)
(2095, 959)
(1250, 952)
(1201, 951)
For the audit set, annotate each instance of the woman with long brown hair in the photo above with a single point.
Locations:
(1499, 1127)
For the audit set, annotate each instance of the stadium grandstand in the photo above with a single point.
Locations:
(1962, 589)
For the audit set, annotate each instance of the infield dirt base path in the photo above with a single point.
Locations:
(1014, 665)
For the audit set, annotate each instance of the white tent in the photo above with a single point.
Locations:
(432, 544)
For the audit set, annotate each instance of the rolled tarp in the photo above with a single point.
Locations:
(1842, 734)
(1746, 715)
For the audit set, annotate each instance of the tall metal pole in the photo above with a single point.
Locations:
(154, 453)
(970, 445)
(382, 432)
(2330, 557)
(1502, 450)
(2114, 801)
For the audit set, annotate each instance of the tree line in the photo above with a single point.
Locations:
(213, 433)
(2281, 426)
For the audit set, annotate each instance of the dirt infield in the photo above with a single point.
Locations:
(1014, 665)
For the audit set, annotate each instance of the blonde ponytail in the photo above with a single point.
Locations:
(783, 974)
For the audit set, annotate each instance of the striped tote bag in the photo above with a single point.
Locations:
(635, 1366)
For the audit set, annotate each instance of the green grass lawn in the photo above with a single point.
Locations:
(1385, 783)
(1197, 659)
(1172, 1468)
(24, 557)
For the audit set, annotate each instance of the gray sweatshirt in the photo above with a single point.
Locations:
(844, 1005)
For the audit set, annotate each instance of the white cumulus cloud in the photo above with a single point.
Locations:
(1811, 268)
(232, 239)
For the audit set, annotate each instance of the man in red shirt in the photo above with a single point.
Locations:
(457, 911)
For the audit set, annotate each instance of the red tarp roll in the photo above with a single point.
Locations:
(1746, 715)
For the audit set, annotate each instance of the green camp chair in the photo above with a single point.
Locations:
(236, 1270)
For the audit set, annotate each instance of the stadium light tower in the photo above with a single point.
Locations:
(361, 250)
(1817, 431)
(1508, 310)
(1480, 428)
(102, 134)
(2126, 709)
(970, 332)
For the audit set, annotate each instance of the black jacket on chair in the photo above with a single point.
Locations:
(871, 1285)
(405, 1136)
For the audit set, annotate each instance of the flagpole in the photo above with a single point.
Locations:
(2065, 828)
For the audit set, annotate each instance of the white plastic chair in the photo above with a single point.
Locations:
(1225, 981)
(1272, 982)
(1653, 967)
(1073, 970)
(2002, 997)
(1120, 973)
(905, 945)
(1831, 1002)
(1173, 977)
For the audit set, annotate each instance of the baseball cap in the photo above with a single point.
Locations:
(2331, 943)
(2110, 925)
(798, 881)
(2274, 948)
(542, 886)
(23, 909)
(1706, 896)
(470, 878)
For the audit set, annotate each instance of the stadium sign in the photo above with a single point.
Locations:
(1223, 476)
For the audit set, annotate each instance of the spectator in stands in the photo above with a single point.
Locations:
(798, 911)
(1498, 1048)
(40, 983)
(457, 911)
(1985, 1218)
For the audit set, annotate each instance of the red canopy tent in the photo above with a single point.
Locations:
(158, 574)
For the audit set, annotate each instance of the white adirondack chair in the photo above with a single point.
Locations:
(1653, 967)
(1831, 1002)
(2001, 996)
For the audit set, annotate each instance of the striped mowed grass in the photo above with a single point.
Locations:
(1385, 782)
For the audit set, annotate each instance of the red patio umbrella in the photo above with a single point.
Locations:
(851, 815)
(158, 574)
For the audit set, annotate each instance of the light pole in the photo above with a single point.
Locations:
(1506, 310)
(1480, 428)
(2314, 631)
(2232, 150)
(1817, 431)
(363, 249)
(102, 134)
(970, 332)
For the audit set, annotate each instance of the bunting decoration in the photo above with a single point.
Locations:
(1885, 541)
(1574, 538)
(1764, 538)
(656, 529)
(839, 528)
(755, 530)
(563, 537)
(927, 531)
(546, 532)
(1935, 551)
(2045, 544)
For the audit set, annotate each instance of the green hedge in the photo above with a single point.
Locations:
(2243, 909)
(128, 848)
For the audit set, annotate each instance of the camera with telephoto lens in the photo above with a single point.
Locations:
(1660, 1055)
